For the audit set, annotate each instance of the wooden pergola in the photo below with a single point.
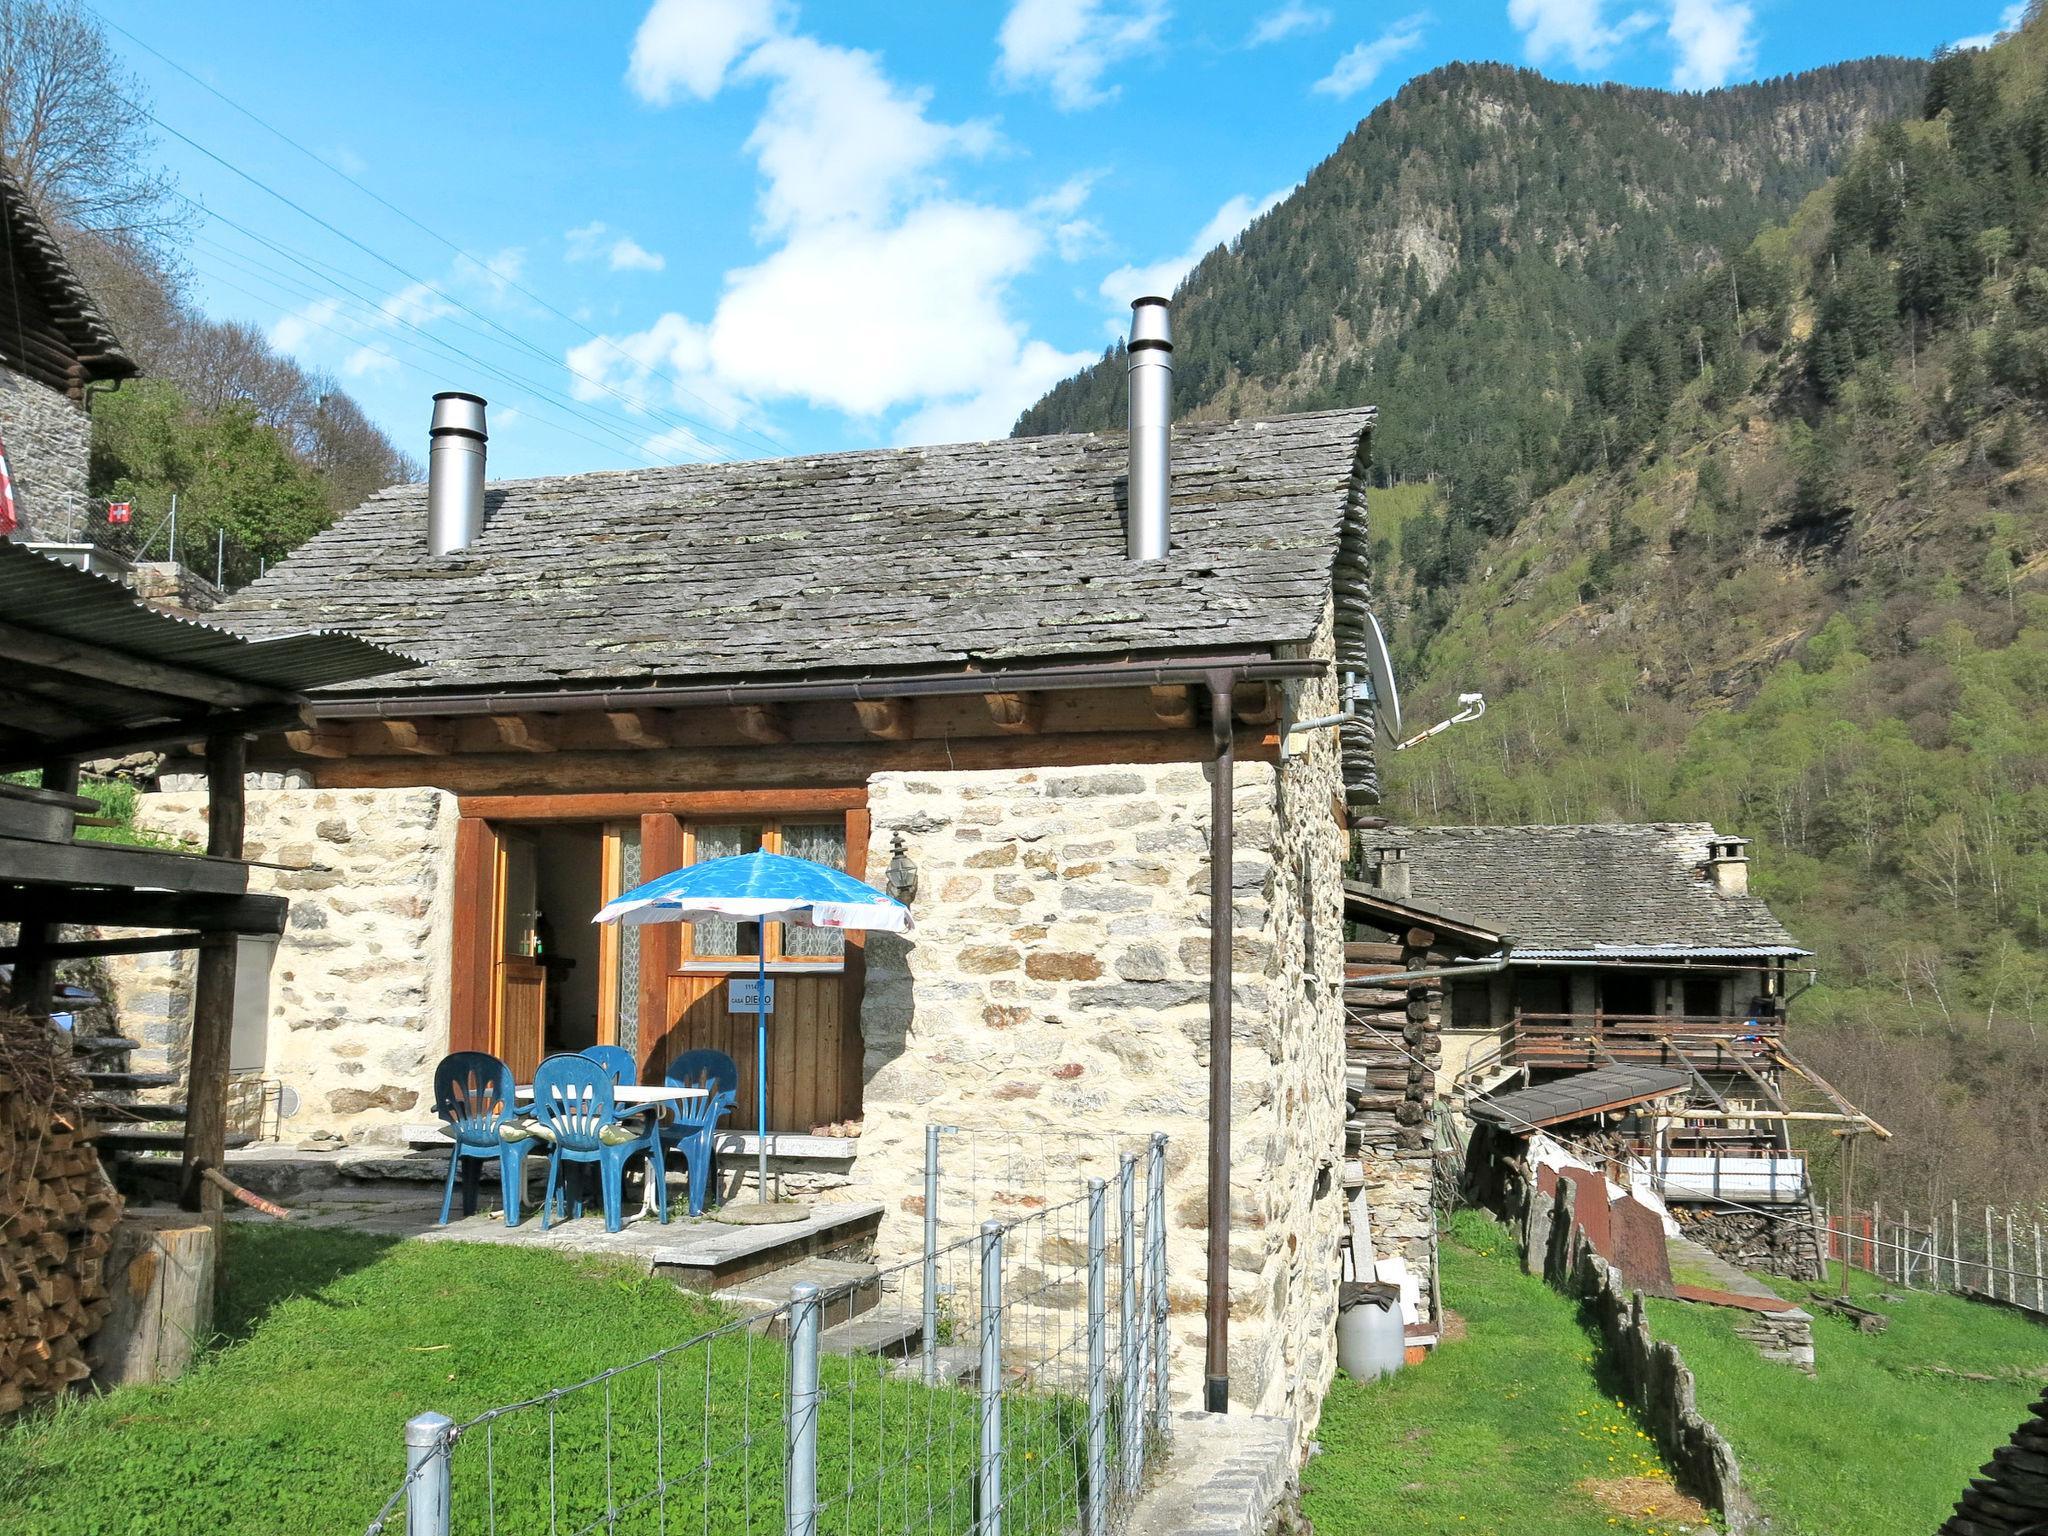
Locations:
(91, 673)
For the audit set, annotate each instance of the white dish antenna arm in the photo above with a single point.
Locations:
(1471, 707)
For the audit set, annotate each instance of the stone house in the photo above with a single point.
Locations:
(55, 347)
(938, 667)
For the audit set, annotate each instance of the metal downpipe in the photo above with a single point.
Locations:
(1222, 787)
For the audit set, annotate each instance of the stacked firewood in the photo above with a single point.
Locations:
(1391, 1051)
(57, 1216)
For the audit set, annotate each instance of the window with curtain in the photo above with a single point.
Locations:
(821, 842)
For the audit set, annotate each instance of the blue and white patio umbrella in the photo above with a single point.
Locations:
(762, 888)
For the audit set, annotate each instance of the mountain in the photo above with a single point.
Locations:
(1475, 232)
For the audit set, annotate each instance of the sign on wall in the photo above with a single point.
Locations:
(743, 995)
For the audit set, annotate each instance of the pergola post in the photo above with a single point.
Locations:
(35, 969)
(213, 1004)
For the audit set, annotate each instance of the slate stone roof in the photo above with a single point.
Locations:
(1581, 889)
(902, 557)
(2009, 1497)
(56, 293)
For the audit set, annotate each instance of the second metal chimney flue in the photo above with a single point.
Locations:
(455, 472)
(1149, 373)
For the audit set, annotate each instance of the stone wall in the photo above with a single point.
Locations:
(47, 438)
(1053, 1003)
(359, 987)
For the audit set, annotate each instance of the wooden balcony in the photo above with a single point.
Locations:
(1734, 1045)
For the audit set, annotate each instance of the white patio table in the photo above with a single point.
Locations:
(635, 1097)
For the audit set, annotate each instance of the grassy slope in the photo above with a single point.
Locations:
(334, 1339)
(1871, 1444)
(1495, 1433)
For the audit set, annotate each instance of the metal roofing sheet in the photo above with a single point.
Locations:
(1664, 952)
(1580, 1094)
(52, 598)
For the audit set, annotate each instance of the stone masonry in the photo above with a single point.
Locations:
(1054, 995)
(47, 439)
(359, 987)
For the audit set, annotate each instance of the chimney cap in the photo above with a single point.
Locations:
(458, 411)
(1151, 323)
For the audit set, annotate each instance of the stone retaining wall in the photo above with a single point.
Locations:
(359, 986)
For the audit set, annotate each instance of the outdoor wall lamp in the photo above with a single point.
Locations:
(900, 879)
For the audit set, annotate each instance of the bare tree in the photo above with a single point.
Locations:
(75, 125)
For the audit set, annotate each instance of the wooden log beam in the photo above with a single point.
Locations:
(641, 728)
(381, 738)
(81, 949)
(763, 723)
(887, 719)
(162, 736)
(326, 741)
(505, 733)
(1255, 703)
(206, 912)
(1014, 714)
(119, 667)
(731, 802)
(1173, 706)
(213, 1000)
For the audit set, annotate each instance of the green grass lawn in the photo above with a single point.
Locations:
(1876, 1443)
(331, 1340)
(1500, 1431)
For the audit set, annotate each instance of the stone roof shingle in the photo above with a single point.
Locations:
(1581, 888)
(892, 558)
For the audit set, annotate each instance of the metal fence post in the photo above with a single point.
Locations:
(990, 1471)
(1098, 1342)
(1129, 1439)
(1155, 1233)
(931, 1255)
(426, 1471)
(801, 1505)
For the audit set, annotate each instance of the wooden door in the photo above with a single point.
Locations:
(519, 992)
(522, 1015)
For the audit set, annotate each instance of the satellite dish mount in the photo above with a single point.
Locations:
(1375, 687)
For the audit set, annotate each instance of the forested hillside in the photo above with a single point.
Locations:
(1767, 547)
(251, 443)
(1468, 237)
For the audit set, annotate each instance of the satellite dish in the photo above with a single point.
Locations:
(1386, 698)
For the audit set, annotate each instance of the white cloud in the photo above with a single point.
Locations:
(1162, 277)
(692, 43)
(838, 138)
(1067, 46)
(1573, 30)
(2009, 20)
(304, 324)
(994, 408)
(1289, 20)
(1361, 66)
(1715, 42)
(369, 362)
(621, 252)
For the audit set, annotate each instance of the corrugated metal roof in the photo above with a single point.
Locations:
(1663, 952)
(55, 599)
(1581, 1094)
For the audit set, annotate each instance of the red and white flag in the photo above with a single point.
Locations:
(9, 521)
(117, 511)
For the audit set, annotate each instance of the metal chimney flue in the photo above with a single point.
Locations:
(455, 472)
(1149, 374)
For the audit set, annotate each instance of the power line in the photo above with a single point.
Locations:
(743, 430)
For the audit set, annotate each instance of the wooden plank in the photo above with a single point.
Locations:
(1173, 706)
(1255, 703)
(641, 728)
(1018, 714)
(26, 861)
(504, 733)
(421, 738)
(521, 1016)
(889, 719)
(473, 972)
(129, 671)
(144, 909)
(143, 944)
(661, 850)
(762, 723)
(213, 992)
(797, 766)
(328, 741)
(608, 807)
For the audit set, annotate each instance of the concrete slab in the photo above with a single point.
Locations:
(1225, 1475)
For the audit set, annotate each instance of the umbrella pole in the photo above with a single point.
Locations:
(761, 1055)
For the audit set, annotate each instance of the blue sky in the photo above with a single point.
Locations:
(729, 228)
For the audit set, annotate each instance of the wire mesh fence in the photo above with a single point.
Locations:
(1009, 1382)
(1998, 1253)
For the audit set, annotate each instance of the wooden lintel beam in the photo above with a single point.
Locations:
(888, 719)
(643, 728)
(761, 723)
(1255, 703)
(386, 738)
(324, 741)
(1014, 714)
(107, 666)
(1173, 706)
(144, 944)
(506, 733)
(205, 911)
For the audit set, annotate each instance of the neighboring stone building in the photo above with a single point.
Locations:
(54, 346)
(936, 666)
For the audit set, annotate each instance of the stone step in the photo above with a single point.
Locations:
(157, 1141)
(843, 1284)
(92, 1044)
(959, 1365)
(879, 1331)
(128, 1081)
(113, 1112)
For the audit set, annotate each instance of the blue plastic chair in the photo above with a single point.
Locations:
(694, 1128)
(473, 1094)
(615, 1059)
(572, 1102)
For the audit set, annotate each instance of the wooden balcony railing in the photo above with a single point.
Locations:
(1702, 1041)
